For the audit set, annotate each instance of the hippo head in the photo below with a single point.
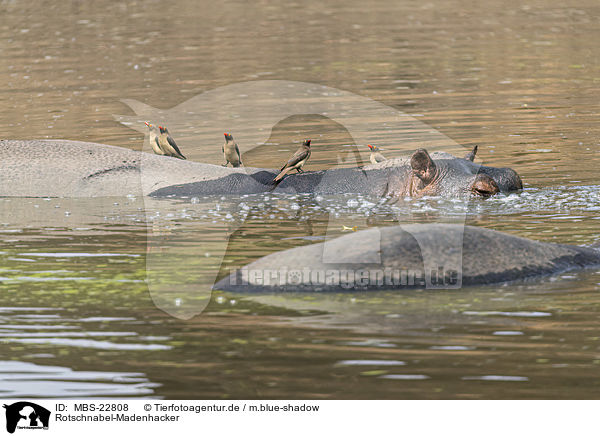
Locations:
(450, 175)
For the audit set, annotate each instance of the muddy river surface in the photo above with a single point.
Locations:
(79, 316)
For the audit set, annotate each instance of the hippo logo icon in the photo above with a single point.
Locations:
(26, 415)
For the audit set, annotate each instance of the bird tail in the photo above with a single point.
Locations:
(281, 175)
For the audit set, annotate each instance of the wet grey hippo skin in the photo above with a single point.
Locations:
(513, 258)
(421, 174)
(59, 168)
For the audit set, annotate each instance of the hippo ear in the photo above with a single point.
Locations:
(422, 165)
(471, 155)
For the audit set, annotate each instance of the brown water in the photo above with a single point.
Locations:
(520, 80)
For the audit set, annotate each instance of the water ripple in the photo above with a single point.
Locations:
(496, 378)
(87, 343)
(25, 379)
(371, 362)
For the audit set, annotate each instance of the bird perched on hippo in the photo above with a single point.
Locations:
(375, 156)
(296, 162)
(162, 142)
(231, 152)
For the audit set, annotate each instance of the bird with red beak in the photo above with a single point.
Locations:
(376, 155)
(231, 152)
(154, 132)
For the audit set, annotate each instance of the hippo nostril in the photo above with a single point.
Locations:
(484, 185)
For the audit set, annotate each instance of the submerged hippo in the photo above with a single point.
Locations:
(410, 256)
(59, 168)
(440, 174)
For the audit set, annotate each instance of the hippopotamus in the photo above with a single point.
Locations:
(439, 174)
(438, 256)
(42, 168)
